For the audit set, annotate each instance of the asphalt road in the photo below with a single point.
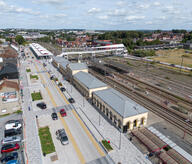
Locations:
(83, 145)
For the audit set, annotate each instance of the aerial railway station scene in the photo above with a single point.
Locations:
(95, 83)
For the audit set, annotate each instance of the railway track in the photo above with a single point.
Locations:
(152, 106)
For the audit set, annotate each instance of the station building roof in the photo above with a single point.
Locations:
(60, 60)
(77, 66)
(39, 50)
(88, 80)
(120, 103)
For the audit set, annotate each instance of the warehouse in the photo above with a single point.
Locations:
(123, 112)
(74, 68)
(86, 83)
(63, 67)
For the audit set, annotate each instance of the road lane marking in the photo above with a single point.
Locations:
(89, 134)
(83, 126)
(79, 154)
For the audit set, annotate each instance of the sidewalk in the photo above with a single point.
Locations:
(123, 150)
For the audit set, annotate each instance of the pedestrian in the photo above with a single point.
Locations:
(29, 108)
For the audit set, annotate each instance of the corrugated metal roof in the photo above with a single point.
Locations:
(120, 103)
(77, 66)
(88, 80)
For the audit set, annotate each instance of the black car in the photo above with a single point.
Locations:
(71, 100)
(44, 64)
(62, 136)
(9, 157)
(42, 105)
(12, 132)
(62, 89)
(54, 116)
(52, 77)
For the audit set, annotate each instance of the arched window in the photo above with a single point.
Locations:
(115, 120)
(119, 123)
(111, 115)
(107, 112)
(103, 108)
(142, 121)
(128, 125)
(135, 123)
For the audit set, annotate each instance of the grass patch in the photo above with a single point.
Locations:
(28, 70)
(34, 77)
(4, 115)
(46, 140)
(107, 145)
(18, 112)
(36, 96)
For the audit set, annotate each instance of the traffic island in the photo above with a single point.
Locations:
(46, 141)
(28, 70)
(34, 77)
(36, 96)
(106, 145)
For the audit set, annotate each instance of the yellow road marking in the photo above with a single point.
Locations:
(89, 134)
(79, 154)
(72, 140)
(47, 89)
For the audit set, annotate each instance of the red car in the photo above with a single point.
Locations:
(63, 112)
(9, 147)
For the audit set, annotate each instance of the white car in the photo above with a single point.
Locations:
(14, 125)
(10, 140)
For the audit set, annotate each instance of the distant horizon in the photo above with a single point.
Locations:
(101, 15)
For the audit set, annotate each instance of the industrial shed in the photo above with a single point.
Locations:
(123, 112)
(87, 84)
(58, 61)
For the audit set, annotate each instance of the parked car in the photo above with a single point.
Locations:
(9, 157)
(62, 136)
(9, 148)
(44, 64)
(54, 116)
(71, 100)
(11, 139)
(13, 162)
(63, 112)
(14, 125)
(62, 89)
(12, 132)
(13, 121)
(42, 105)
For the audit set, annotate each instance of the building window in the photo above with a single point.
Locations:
(115, 120)
(111, 115)
(97, 103)
(119, 123)
(103, 108)
(142, 121)
(128, 125)
(107, 112)
(135, 123)
(100, 106)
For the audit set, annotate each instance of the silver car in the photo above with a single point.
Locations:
(11, 139)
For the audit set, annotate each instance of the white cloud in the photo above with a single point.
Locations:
(149, 22)
(156, 4)
(162, 17)
(121, 3)
(144, 6)
(94, 10)
(117, 12)
(2, 3)
(52, 2)
(134, 17)
(60, 15)
(103, 17)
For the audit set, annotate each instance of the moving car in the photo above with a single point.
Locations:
(54, 116)
(12, 132)
(13, 162)
(9, 148)
(9, 157)
(62, 89)
(62, 136)
(63, 112)
(71, 100)
(11, 139)
(42, 105)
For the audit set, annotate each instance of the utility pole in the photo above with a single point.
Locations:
(181, 63)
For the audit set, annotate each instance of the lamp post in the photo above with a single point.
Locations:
(181, 63)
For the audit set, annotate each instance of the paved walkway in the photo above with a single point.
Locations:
(124, 151)
(33, 147)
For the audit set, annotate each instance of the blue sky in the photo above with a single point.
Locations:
(96, 14)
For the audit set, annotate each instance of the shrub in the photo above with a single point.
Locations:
(107, 145)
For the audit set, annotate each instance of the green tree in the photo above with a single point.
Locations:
(19, 39)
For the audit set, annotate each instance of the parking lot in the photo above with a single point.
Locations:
(20, 152)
